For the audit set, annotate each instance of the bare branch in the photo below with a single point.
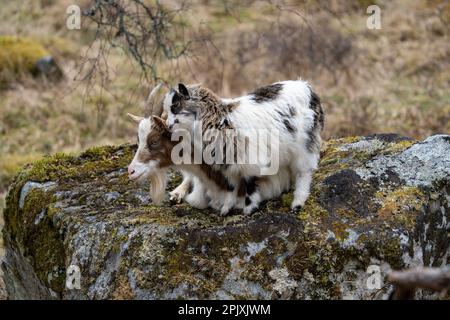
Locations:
(406, 282)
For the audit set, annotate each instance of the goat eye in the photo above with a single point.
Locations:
(175, 108)
(154, 144)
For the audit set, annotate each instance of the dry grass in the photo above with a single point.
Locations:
(390, 80)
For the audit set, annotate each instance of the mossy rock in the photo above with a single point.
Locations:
(23, 56)
(381, 200)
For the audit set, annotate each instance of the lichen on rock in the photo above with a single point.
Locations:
(380, 200)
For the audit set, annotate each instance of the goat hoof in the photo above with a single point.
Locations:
(175, 198)
(250, 210)
(224, 213)
(296, 209)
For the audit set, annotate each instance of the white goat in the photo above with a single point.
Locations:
(289, 108)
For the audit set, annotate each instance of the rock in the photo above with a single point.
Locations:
(23, 56)
(2, 283)
(77, 228)
(3, 295)
(48, 67)
(2, 253)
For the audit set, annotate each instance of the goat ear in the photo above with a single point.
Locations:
(136, 119)
(160, 123)
(177, 97)
(184, 91)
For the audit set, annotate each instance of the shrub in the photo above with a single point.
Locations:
(18, 57)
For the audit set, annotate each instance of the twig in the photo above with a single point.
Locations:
(406, 282)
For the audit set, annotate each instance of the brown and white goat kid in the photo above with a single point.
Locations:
(154, 156)
(290, 108)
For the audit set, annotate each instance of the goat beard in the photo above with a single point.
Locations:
(158, 182)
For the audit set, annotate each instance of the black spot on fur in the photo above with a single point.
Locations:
(267, 93)
(285, 117)
(250, 185)
(217, 176)
(289, 126)
(241, 188)
(225, 124)
(312, 142)
(281, 113)
(292, 111)
(289, 112)
(316, 106)
(319, 118)
(247, 186)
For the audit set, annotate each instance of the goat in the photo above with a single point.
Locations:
(291, 108)
(154, 157)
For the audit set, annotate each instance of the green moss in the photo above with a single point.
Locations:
(333, 158)
(397, 147)
(175, 180)
(400, 205)
(45, 246)
(390, 250)
(313, 209)
(89, 164)
(51, 168)
(313, 215)
(322, 260)
(180, 268)
(340, 230)
(42, 240)
(96, 153)
(32, 226)
(286, 199)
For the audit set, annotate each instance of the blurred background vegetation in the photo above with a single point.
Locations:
(391, 80)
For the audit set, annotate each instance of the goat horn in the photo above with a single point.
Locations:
(150, 107)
